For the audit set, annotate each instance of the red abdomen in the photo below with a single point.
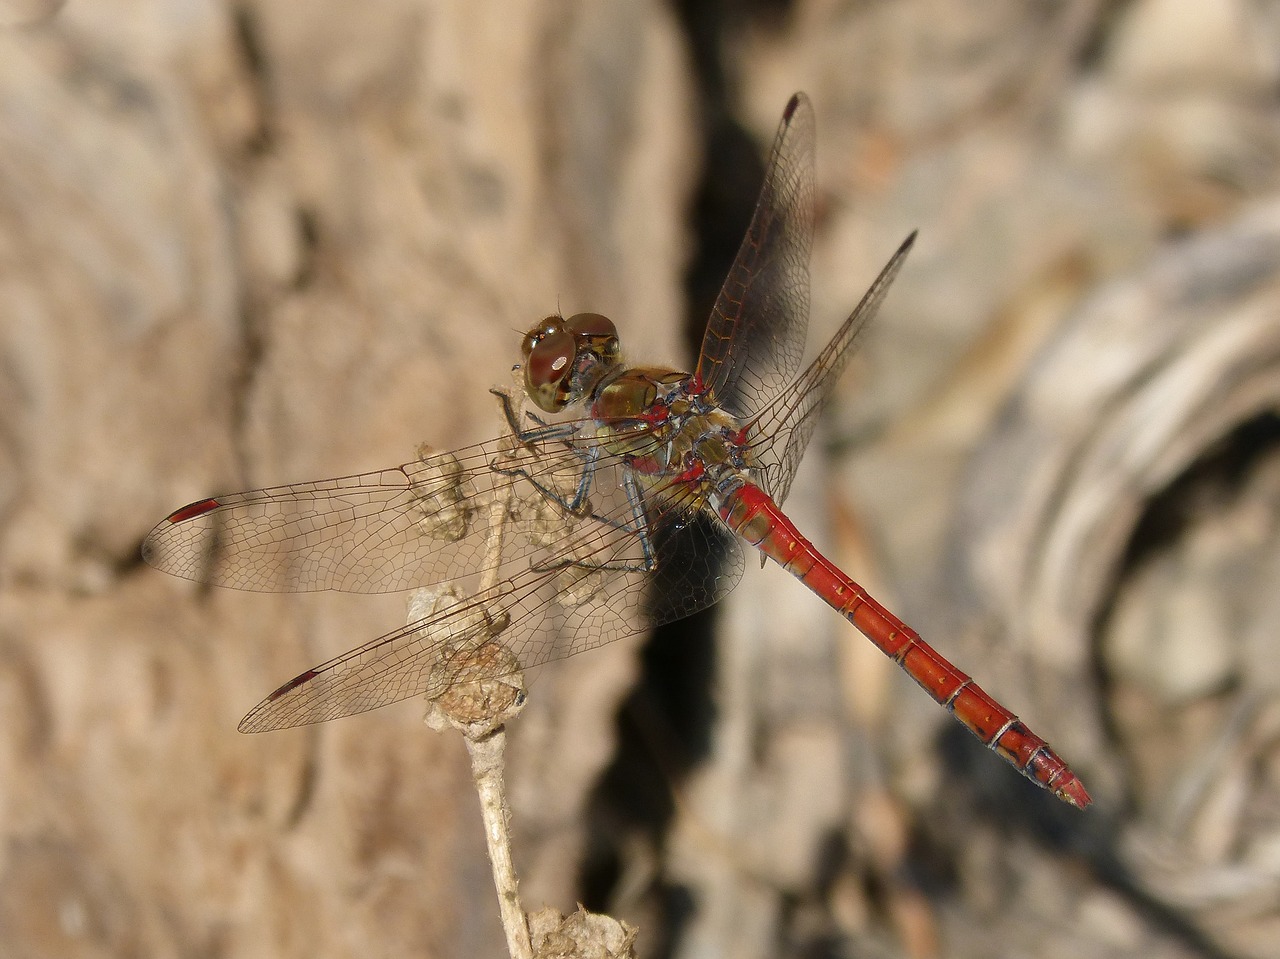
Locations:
(752, 514)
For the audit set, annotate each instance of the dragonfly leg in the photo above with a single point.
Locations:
(639, 526)
(544, 433)
(578, 505)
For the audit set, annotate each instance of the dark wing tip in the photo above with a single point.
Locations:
(192, 510)
(162, 547)
(793, 104)
(259, 719)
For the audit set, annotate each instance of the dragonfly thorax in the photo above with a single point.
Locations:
(653, 417)
(565, 359)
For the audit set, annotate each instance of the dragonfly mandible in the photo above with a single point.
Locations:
(559, 536)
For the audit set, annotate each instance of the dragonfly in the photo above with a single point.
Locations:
(625, 501)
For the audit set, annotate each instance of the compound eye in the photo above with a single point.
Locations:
(548, 367)
(591, 324)
(548, 326)
(597, 334)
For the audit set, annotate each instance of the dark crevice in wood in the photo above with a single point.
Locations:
(1208, 485)
(254, 57)
(665, 726)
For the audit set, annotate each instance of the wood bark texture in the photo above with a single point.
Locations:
(251, 243)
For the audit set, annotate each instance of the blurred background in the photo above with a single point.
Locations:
(251, 243)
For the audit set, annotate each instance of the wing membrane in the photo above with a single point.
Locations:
(789, 420)
(518, 566)
(424, 523)
(755, 335)
(538, 614)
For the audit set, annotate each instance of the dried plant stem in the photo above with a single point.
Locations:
(481, 687)
(488, 691)
(486, 766)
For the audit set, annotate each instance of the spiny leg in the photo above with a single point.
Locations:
(639, 526)
(546, 433)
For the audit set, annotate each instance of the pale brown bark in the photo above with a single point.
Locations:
(243, 245)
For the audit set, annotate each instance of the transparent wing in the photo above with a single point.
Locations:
(756, 333)
(536, 615)
(488, 528)
(424, 523)
(783, 428)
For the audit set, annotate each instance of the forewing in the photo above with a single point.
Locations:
(756, 333)
(429, 522)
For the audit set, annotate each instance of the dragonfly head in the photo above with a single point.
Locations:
(565, 359)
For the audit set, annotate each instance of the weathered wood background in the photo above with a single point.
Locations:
(249, 243)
